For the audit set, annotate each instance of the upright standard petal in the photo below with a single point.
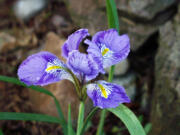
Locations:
(73, 41)
(41, 69)
(82, 65)
(96, 54)
(113, 47)
(107, 95)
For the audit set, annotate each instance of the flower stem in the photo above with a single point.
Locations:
(101, 122)
(80, 118)
(76, 83)
(90, 115)
(111, 73)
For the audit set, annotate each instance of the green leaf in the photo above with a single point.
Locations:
(70, 129)
(111, 73)
(90, 115)
(29, 117)
(140, 118)
(101, 122)
(42, 90)
(69, 119)
(148, 127)
(112, 15)
(80, 118)
(129, 119)
(1, 133)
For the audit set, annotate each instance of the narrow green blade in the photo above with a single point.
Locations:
(80, 118)
(70, 129)
(42, 90)
(90, 115)
(129, 119)
(112, 15)
(29, 117)
(1, 133)
(148, 128)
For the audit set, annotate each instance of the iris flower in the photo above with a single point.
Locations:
(109, 47)
(105, 49)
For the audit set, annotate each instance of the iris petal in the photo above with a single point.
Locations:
(96, 54)
(113, 47)
(41, 69)
(107, 95)
(82, 65)
(73, 41)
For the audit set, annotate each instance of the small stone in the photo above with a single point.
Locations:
(120, 68)
(128, 82)
(25, 9)
(59, 21)
(6, 42)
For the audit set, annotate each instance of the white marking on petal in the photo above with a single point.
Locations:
(55, 67)
(106, 52)
(105, 90)
(37, 78)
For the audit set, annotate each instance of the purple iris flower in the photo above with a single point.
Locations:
(42, 68)
(109, 46)
(73, 41)
(82, 65)
(107, 95)
(106, 48)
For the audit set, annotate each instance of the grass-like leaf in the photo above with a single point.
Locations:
(70, 129)
(112, 15)
(80, 118)
(101, 122)
(1, 133)
(29, 117)
(129, 119)
(14, 80)
(90, 115)
(148, 127)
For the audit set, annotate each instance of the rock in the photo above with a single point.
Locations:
(17, 38)
(6, 41)
(25, 9)
(63, 90)
(138, 18)
(120, 68)
(144, 8)
(53, 44)
(165, 114)
(26, 37)
(128, 82)
(61, 24)
(59, 21)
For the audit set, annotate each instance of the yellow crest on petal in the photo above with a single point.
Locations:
(105, 51)
(103, 90)
(53, 67)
